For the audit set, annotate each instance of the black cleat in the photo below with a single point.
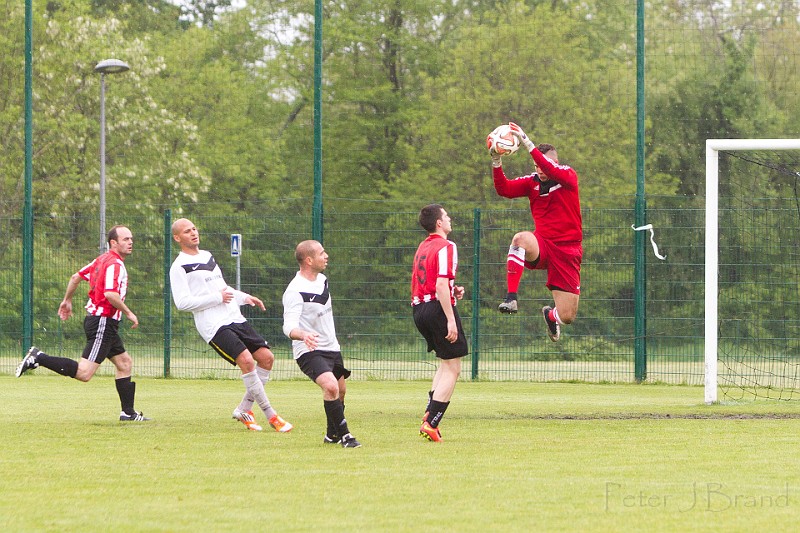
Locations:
(135, 417)
(553, 329)
(508, 306)
(28, 362)
(349, 441)
(332, 440)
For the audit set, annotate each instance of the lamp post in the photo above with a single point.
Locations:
(107, 66)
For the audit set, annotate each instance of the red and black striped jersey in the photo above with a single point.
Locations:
(436, 258)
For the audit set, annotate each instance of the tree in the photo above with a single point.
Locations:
(149, 148)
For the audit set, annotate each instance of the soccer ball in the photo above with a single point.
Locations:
(502, 140)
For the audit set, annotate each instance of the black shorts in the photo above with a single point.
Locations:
(431, 321)
(233, 339)
(102, 338)
(314, 364)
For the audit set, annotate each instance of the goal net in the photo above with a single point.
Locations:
(752, 269)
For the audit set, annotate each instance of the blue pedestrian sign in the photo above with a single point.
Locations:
(236, 244)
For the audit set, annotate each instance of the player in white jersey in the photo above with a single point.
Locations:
(198, 287)
(308, 321)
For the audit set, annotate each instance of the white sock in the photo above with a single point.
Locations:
(247, 400)
(256, 389)
(558, 318)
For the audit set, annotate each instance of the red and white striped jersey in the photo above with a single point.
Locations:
(106, 273)
(436, 258)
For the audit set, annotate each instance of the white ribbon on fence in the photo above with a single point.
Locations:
(652, 238)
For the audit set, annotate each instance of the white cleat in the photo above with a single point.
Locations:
(248, 419)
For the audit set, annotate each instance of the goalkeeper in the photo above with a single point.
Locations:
(555, 243)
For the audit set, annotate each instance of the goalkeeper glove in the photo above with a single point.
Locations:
(517, 132)
(497, 159)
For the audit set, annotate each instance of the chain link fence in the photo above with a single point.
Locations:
(371, 252)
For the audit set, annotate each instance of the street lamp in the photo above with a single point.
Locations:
(107, 66)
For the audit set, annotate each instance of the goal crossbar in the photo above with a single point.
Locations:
(713, 147)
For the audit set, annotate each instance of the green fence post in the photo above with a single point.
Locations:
(167, 290)
(316, 210)
(476, 289)
(639, 264)
(27, 213)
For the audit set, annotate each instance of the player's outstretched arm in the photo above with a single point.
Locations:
(517, 132)
(252, 300)
(510, 188)
(563, 174)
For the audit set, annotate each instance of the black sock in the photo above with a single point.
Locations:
(61, 365)
(437, 410)
(127, 391)
(430, 399)
(331, 430)
(334, 410)
(511, 296)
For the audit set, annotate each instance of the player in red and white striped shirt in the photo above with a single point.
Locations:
(433, 297)
(555, 244)
(106, 273)
(108, 284)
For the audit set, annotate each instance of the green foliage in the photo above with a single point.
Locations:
(218, 101)
(215, 120)
(149, 148)
(721, 96)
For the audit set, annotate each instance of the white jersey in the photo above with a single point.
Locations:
(307, 305)
(197, 285)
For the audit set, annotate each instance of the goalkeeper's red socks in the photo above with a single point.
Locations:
(515, 267)
(553, 315)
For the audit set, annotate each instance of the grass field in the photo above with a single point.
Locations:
(516, 457)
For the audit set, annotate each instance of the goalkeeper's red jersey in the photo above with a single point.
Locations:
(555, 203)
(436, 258)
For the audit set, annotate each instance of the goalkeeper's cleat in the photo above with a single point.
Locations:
(247, 418)
(425, 416)
(429, 432)
(280, 425)
(28, 362)
(349, 441)
(508, 306)
(135, 416)
(553, 329)
(332, 440)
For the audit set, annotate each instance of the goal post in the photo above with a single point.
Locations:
(713, 147)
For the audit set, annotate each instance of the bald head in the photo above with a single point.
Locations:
(312, 258)
(306, 249)
(180, 224)
(185, 233)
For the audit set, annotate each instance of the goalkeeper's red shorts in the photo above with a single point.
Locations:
(563, 264)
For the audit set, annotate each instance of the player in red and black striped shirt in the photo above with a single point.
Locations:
(555, 244)
(108, 284)
(433, 296)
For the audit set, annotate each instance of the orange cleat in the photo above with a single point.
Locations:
(429, 432)
(280, 425)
